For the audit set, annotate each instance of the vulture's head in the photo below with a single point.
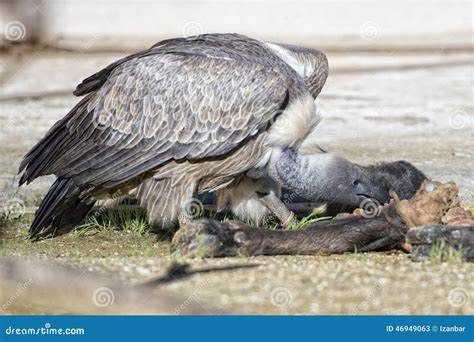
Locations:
(325, 177)
(341, 181)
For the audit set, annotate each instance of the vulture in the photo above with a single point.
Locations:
(219, 113)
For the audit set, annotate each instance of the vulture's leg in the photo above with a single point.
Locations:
(255, 199)
(278, 208)
(184, 218)
(269, 194)
(185, 214)
(210, 238)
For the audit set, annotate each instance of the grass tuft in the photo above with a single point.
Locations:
(442, 252)
(308, 219)
(126, 219)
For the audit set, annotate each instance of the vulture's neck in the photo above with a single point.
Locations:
(310, 64)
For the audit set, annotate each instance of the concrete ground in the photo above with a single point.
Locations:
(377, 107)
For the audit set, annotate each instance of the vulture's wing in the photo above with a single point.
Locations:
(154, 108)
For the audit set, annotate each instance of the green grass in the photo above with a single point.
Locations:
(442, 252)
(126, 219)
(315, 216)
(273, 223)
(202, 249)
(10, 217)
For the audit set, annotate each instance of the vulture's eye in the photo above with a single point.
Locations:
(356, 182)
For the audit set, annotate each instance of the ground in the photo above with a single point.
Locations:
(380, 107)
(365, 283)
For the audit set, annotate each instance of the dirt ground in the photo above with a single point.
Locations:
(365, 283)
(380, 107)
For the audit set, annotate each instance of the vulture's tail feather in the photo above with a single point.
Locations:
(46, 152)
(60, 210)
